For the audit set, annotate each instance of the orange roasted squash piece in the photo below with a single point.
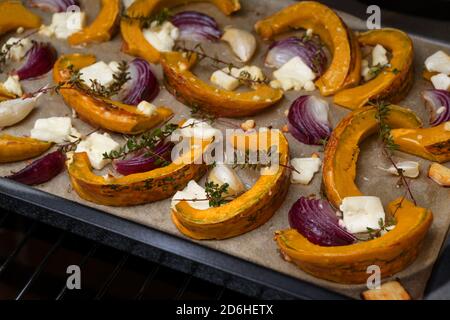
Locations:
(14, 149)
(14, 15)
(99, 112)
(134, 42)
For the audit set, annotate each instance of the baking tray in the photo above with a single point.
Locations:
(211, 254)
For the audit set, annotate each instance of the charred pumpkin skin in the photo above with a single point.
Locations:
(332, 31)
(245, 213)
(192, 91)
(104, 26)
(135, 189)
(14, 15)
(429, 143)
(134, 42)
(103, 113)
(13, 149)
(392, 252)
(389, 84)
(342, 151)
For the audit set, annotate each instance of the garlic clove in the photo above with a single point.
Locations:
(222, 174)
(439, 174)
(242, 42)
(411, 169)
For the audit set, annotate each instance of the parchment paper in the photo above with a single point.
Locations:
(258, 246)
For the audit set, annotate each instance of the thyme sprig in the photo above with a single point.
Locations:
(384, 226)
(389, 146)
(263, 160)
(216, 193)
(146, 141)
(146, 21)
(121, 77)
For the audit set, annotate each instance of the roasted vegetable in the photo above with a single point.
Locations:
(394, 81)
(14, 15)
(332, 31)
(14, 149)
(429, 143)
(244, 213)
(342, 150)
(104, 26)
(100, 112)
(193, 91)
(134, 42)
(439, 174)
(392, 252)
(134, 189)
(391, 290)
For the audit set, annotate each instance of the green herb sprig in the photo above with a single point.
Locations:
(146, 22)
(216, 193)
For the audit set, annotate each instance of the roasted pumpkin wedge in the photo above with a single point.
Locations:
(392, 252)
(102, 113)
(342, 151)
(14, 15)
(244, 213)
(104, 26)
(393, 82)
(14, 149)
(333, 32)
(192, 91)
(429, 143)
(134, 42)
(135, 189)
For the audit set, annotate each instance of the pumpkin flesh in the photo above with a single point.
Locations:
(100, 112)
(14, 15)
(134, 42)
(13, 149)
(103, 27)
(194, 92)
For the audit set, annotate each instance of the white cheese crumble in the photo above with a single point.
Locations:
(379, 56)
(95, 146)
(438, 62)
(228, 79)
(361, 213)
(294, 74)
(306, 168)
(162, 37)
(222, 79)
(441, 81)
(64, 24)
(12, 85)
(146, 108)
(99, 71)
(55, 129)
(19, 49)
(191, 192)
(198, 129)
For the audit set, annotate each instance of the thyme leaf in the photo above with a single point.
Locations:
(216, 193)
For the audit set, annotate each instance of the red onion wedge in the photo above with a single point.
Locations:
(312, 53)
(315, 220)
(308, 120)
(53, 5)
(438, 101)
(41, 170)
(145, 160)
(196, 26)
(143, 84)
(40, 60)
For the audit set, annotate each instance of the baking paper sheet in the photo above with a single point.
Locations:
(258, 246)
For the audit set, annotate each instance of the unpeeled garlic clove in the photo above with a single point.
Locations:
(222, 174)
(411, 169)
(439, 174)
(242, 42)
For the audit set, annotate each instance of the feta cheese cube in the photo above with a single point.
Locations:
(198, 129)
(12, 85)
(64, 24)
(162, 37)
(191, 192)
(379, 56)
(146, 108)
(19, 48)
(361, 213)
(95, 146)
(99, 71)
(222, 79)
(438, 62)
(441, 81)
(306, 168)
(55, 129)
(293, 75)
